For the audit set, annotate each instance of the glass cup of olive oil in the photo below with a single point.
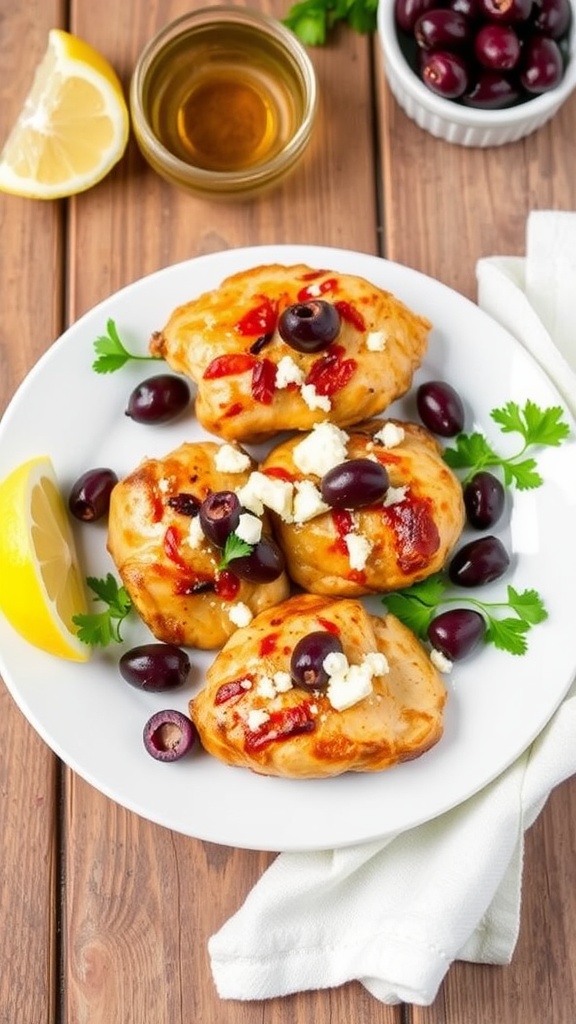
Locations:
(223, 101)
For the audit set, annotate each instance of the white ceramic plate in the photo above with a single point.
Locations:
(497, 702)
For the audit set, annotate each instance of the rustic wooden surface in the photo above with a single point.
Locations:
(104, 918)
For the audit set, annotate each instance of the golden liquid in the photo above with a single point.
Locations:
(224, 102)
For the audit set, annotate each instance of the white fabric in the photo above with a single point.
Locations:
(395, 913)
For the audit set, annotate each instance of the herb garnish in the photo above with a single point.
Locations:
(234, 547)
(417, 605)
(112, 354)
(313, 20)
(102, 628)
(544, 427)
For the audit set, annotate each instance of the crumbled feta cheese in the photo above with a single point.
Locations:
(348, 684)
(394, 495)
(163, 485)
(266, 688)
(249, 528)
(288, 372)
(229, 459)
(282, 681)
(246, 684)
(240, 614)
(261, 490)
(308, 502)
(313, 400)
(195, 533)
(441, 662)
(359, 547)
(256, 719)
(322, 449)
(390, 435)
(314, 291)
(376, 341)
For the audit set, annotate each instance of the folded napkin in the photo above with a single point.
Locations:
(395, 913)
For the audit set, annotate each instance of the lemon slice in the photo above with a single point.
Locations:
(41, 587)
(73, 126)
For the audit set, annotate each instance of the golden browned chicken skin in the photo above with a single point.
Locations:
(169, 570)
(248, 714)
(387, 545)
(252, 384)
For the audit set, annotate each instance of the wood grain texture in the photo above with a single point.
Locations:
(124, 919)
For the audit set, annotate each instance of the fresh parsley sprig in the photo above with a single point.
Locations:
(418, 605)
(537, 428)
(112, 354)
(313, 20)
(234, 547)
(99, 629)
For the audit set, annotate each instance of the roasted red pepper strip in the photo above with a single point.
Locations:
(264, 381)
(235, 688)
(228, 365)
(331, 373)
(171, 549)
(349, 313)
(281, 726)
(314, 291)
(260, 320)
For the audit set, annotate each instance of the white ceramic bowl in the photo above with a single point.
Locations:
(456, 123)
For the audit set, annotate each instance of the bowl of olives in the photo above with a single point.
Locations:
(479, 72)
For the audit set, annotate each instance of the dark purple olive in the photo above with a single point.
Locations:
(440, 408)
(306, 664)
(158, 399)
(492, 90)
(551, 17)
(441, 29)
(497, 47)
(508, 11)
(168, 735)
(309, 326)
(478, 562)
(457, 632)
(219, 515)
(407, 12)
(264, 564)
(467, 7)
(484, 498)
(354, 483)
(445, 73)
(542, 66)
(155, 667)
(89, 497)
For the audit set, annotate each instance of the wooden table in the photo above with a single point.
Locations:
(104, 917)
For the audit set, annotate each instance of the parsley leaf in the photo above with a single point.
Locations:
(234, 547)
(99, 629)
(417, 606)
(313, 20)
(112, 354)
(536, 426)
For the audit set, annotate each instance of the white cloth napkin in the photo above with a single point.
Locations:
(395, 913)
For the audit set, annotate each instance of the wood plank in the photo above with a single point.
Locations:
(451, 207)
(141, 901)
(31, 318)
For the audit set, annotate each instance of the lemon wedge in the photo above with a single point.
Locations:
(41, 587)
(73, 126)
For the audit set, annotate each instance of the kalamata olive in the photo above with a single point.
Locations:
(264, 564)
(168, 735)
(484, 498)
(551, 17)
(508, 11)
(407, 12)
(478, 562)
(158, 399)
(440, 408)
(219, 516)
(542, 66)
(492, 90)
(89, 497)
(497, 47)
(309, 326)
(455, 633)
(155, 667)
(354, 483)
(441, 29)
(307, 661)
(445, 73)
